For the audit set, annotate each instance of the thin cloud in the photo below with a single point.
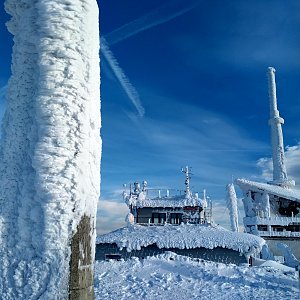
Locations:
(158, 16)
(111, 215)
(122, 78)
(292, 161)
(215, 152)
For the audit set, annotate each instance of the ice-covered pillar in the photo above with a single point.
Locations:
(275, 121)
(232, 207)
(50, 151)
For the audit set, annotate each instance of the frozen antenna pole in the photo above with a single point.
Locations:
(187, 172)
(279, 171)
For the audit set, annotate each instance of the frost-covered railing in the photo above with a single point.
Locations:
(279, 233)
(201, 220)
(163, 193)
(284, 221)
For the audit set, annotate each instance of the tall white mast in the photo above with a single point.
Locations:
(279, 171)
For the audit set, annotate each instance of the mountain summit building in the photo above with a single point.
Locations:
(272, 208)
(182, 223)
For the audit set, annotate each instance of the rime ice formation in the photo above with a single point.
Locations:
(129, 219)
(279, 171)
(261, 187)
(50, 148)
(185, 236)
(143, 201)
(232, 207)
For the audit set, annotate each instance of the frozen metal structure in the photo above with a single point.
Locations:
(173, 220)
(272, 209)
(279, 170)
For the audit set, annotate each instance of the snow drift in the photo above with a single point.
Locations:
(171, 276)
(50, 148)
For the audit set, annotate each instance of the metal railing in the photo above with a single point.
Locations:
(272, 220)
(279, 233)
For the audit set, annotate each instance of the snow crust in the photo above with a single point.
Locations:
(279, 191)
(184, 236)
(50, 147)
(171, 276)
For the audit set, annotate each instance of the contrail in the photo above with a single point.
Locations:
(156, 17)
(124, 81)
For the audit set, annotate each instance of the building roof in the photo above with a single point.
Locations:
(287, 193)
(184, 236)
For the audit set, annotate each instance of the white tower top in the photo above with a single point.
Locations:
(187, 173)
(279, 171)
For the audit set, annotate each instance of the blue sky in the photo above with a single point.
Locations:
(196, 92)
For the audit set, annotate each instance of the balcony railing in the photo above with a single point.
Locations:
(283, 221)
(279, 234)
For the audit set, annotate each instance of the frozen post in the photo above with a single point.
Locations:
(232, 207)
(279, 170)
(50, 151)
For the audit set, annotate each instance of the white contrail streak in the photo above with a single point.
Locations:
(156, 17)
(123, 80)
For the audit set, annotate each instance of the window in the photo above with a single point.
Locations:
(277, 228)
(158, 218)
(175, 218)
(113, 256)
(262, 227)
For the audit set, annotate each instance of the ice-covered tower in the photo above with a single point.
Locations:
(279, 170)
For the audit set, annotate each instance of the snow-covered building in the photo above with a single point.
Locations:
(158, 206)
(180, 223)
(272, 208)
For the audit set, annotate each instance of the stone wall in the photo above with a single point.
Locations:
(293, 243)
(217, 254)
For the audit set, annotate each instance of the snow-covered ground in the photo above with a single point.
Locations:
(171, 276)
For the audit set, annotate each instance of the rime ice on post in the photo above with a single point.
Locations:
(279, 171)
(50, 151)
(232, 206)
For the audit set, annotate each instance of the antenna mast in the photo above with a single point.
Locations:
(187, 172)
(279, 170)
